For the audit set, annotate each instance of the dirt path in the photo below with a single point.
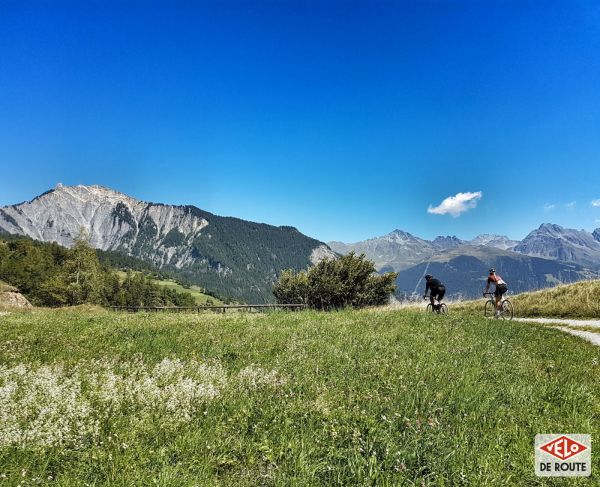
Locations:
(561, 321)
(586, 335)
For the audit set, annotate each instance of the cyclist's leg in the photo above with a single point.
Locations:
(432, 295)
(498, 298)
(441, 294)
(502, 293)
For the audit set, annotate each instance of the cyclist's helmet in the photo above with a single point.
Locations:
(492, 270)
(428, 276)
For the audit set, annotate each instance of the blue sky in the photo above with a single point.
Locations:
(344, 119)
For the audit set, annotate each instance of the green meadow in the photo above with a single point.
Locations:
(302, 399)
(199, 296)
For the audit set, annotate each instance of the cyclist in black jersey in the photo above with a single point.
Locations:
(436, 290)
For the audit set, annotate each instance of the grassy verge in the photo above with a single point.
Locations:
(349, 398)
(579, 300)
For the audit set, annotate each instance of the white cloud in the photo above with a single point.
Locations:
(549, 206)
(455, 205)
(571, 204)
(595, 202)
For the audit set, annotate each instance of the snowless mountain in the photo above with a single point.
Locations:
(547, 256)
(234, 257)
(496, 241)
(464, 271)
(112, 220)
(556, 242)
(399, 250)
(448, 242)
(394, 251)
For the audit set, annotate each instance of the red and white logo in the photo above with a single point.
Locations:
(563, 448)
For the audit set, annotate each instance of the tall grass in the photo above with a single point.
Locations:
(346, 398)
(579, 300)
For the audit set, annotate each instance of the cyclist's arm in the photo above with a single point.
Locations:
(487, 285)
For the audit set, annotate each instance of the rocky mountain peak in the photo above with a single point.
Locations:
(400, 234)
(93, 192)
(400, 237)
(113, 221)
(485, 238)
(556, 242)
(447, 242)
(216, 252)
(491, 240)
(551, 228)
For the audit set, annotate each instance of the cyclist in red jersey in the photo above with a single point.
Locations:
(501, 288)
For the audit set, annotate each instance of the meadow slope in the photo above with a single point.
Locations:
(578, 300)
(197, 293)
(346, 398)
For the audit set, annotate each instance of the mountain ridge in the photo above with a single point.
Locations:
(234, 257)
(547, 256)
(242, 259)
(464, 271)
(554, 241)
(399, 249)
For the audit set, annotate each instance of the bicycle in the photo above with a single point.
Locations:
(440, 308)
(506, 308)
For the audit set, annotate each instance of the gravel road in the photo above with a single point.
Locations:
(586, 335)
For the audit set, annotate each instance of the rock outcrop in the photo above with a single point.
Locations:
(13, 299)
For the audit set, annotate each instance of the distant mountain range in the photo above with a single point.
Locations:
(547, 256)
(395, 251)
(234, 257)
(464, 271)
(556, 242)
(400, 250)
(241, 259)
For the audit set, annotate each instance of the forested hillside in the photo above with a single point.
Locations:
(236, 258)
(51, 275)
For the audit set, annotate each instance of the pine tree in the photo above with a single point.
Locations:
(82, 274)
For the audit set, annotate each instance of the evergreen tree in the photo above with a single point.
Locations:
(81, 273)
(51, 275)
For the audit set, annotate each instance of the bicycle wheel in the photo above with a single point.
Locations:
(507, 310)
(490, 309)
(429, 308)
(443, 308)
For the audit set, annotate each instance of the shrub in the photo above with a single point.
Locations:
(347, 281)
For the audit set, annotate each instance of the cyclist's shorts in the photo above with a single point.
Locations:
(500, 290)
(438, 293)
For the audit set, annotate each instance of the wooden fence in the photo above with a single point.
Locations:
(214, 308)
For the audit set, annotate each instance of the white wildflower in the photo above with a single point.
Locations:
(254, 377)
(56, 405)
